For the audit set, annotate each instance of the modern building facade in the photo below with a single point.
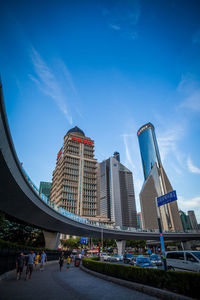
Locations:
(74, 182)
(185, 221)
(117, 197)
(193, 220)
(139, 220)
(45, 188)
(156, 184)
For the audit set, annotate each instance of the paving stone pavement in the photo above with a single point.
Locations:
(74, 284)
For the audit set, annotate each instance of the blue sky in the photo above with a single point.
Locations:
(107, 67)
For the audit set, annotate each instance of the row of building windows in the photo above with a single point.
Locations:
(89, 180)
(70, 189)
(70, 151)
(71, 177)
(70, 202)
(72, 210)
(90, 164)
(89, 186)
(89, 175)
(88, 193)
(70, 183)
(89, 198)
(71, 171)
(71, 166)
(88, 212)
(70, 196)
(90, 206)
(72, 160)
(89, 169)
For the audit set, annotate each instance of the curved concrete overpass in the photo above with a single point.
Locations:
(18, 199)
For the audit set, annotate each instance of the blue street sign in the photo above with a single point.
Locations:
(83, 240)
(167, 198)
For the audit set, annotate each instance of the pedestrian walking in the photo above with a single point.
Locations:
(68, 262)
(37, 259)
(61, 260)
(20, 264)
(43, 260)
(30, 262)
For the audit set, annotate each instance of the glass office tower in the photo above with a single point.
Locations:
(156, 184)
(148, 148)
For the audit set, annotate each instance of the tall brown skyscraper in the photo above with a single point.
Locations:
(74, 183)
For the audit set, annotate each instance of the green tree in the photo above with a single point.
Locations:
(20, 233)
(136, 244)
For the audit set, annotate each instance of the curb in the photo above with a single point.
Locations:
(12, 272)
(152, 291)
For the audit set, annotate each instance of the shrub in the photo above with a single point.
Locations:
(185, 283)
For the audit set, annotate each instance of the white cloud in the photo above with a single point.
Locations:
(48, 83)
(167, 143)
(191, 167)
(115, 27)
(190, 204)
(131, 145)
(123, 17)
(189, 89)
(127, 151)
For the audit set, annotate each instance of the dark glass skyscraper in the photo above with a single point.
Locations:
(156, 184)
(148, 148)
(117, 196)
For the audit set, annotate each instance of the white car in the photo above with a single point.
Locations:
(115, 257)
(105, 256)
(183, 260)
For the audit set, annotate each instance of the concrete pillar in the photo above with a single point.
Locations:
(120, 246)
(51, 239)
(186, 245)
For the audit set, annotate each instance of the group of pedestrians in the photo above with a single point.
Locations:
(61, 260)
(29, 261)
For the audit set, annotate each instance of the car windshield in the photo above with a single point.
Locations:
(143, 260)
(197, 254)
(116, 255)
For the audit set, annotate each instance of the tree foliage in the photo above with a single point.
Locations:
(136, 244)
(23, 234)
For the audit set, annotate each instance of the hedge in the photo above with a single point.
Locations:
(185, 283)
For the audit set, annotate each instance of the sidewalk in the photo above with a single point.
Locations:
(72, 285)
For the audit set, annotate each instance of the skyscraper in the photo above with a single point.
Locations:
(74, 183)
(185, 221)
(193, 220)
(117, 198)
(45, 188)
(156, 184)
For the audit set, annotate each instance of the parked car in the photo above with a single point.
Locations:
(105, 256)
(183, 260)
(128, 257)
(142, 261)
(115, 257)
(156, 260)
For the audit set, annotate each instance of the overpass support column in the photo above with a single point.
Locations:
(51, 239)
(120, 246)
(186, 245)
